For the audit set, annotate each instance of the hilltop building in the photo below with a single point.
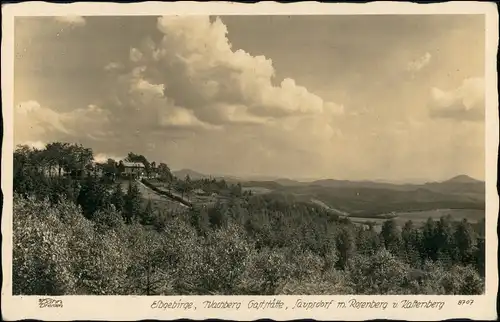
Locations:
(133, 169)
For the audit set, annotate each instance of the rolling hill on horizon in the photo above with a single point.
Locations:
(462, 179)
(458, 179)
(370, 198)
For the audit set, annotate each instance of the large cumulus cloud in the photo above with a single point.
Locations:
(192, 83)
(36, 123)
(464, 103)
(202, 73)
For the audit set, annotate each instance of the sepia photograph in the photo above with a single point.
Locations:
(256, 155)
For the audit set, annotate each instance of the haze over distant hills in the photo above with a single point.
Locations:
(198, 175)
(459, 179)
(367, 197)
(181, 174)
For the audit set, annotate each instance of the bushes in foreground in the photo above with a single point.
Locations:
(57, 250)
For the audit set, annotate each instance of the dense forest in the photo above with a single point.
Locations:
(77, 231)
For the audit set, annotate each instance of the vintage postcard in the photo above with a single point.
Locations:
(248, 161)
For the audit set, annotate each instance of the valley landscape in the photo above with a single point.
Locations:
(291, 138)
(364, 202)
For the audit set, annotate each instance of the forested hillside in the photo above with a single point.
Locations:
(77, 231)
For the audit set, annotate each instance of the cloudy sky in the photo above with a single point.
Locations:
(347, 97)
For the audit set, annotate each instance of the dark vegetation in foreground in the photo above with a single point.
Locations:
(82, 234)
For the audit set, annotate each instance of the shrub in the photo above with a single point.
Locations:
(457, 280)
(42, 261)
(381, 273)
(331, 282)
(58, 251)
(267, 272)
(222, 260)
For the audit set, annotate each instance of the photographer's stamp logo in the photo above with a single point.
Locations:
(49, 303)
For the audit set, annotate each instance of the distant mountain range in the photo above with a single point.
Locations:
(368, 197)
(460, 179)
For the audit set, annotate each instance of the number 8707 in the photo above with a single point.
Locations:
(465, 302)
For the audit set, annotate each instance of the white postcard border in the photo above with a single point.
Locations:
(131, 307)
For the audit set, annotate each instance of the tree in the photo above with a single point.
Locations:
(183, 187)
(24, 157)
(406, 233)
(148, 214)
(153, 168)
(222, 260)
(37, 158)
(411, 243)
(236, 211)
(187, 186)
(429, 249)
(180, 186)
(61, 252)
(54, 153)
(182, 267)
(465, 241)
(28, 172)
(368, 241)
(108, 219)
(68, 157)
(93, 196)
(110, 169)
(199, 219)
(164, 172)
(267, 271)
(102, 263)
(480, 256)
(145, 276)
(121, 167)
(132, 206)
(346, 242)
(42, 262)
(381, 273)
(327, 247)
(460, 279)
(237, 190)
(391, 236)
(217, 215)
(444, 240)
(62, 188)
(118, 198)
(78, 157)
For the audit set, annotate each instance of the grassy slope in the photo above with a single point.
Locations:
(158, 201)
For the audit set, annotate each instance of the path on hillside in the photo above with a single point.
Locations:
(341, 213)
(149, 193)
